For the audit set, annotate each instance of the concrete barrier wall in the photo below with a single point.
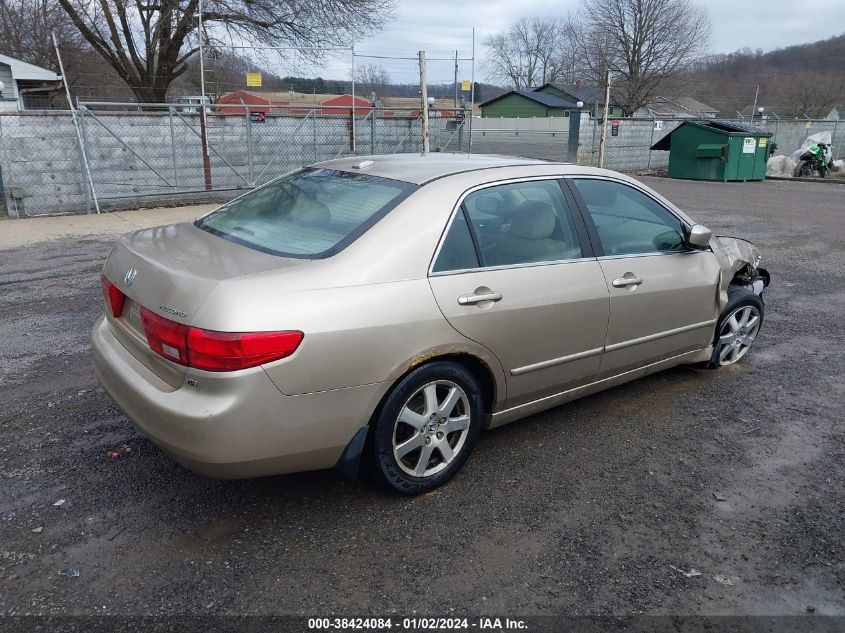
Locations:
(155, 158)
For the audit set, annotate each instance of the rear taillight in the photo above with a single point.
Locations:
(113, 297)
(216, 351)
(166, 338)
(227, 351)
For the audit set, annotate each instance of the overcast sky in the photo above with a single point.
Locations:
(441, 26)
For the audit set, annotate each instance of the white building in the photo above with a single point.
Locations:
(24, 83)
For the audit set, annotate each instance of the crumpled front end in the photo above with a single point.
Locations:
(740, 262)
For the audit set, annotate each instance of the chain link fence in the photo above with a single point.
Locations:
(145, 155)
(148, 155)
(630, 148)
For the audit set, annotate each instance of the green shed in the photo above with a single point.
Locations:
(716, 150)
(527, 103)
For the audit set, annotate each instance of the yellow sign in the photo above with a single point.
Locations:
(466, 85)
(762, 142)
(253, 80)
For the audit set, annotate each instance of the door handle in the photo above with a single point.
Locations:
(472, 299)
(622, 282)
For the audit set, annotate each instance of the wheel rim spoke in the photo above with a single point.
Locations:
(456, 424)
(446, 451)
(409, 445)
(430, 392)
(422, 464)
(450, 402)
(733, 323)
(411, 418)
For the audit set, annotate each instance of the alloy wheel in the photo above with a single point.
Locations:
(431, 428)
(737, 334)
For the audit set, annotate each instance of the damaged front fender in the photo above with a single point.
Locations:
(740, 262)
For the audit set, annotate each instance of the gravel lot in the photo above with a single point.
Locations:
(603, 506)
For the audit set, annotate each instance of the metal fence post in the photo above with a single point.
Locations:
(314, 132)
(173, 147)
(373, 131)
(651, 141)
(83, 158)
(248, 124)
(833, 138)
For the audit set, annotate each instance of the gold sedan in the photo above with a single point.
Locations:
(388, 309)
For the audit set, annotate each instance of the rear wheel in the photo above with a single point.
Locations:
(427, 428)
(737, 327)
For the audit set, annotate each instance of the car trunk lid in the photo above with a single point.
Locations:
(170, 270)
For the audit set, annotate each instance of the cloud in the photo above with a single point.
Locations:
(442, 26)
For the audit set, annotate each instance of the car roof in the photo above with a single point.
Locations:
(422, 168)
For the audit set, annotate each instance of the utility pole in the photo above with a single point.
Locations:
(754, 108)
(423, 104)
(603, 137)
(455, 112)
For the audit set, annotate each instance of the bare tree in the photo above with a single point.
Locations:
(642, 43)
(370, 78)
(810, 93)
(149, 43)
(25, 28)
(532, 52)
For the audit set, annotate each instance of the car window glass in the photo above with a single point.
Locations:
(310, 213)
(523, 222)
(628, 221)
(457, 251)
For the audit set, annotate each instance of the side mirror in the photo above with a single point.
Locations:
(699, 236)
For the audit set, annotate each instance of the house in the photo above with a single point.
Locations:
(548, 100)
(676, 108)
(25, 86)
(289, 103)
(591, 96)
(527, 104)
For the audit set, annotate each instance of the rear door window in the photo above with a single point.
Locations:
(523, 222)
(312, 213)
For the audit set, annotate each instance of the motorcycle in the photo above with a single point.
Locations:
(817, 158)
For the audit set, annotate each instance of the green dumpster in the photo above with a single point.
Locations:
(716, 150)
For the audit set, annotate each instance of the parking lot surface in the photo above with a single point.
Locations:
(687, 492)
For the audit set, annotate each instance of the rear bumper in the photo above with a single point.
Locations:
(233, 424)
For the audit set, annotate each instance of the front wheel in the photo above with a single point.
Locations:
(737, 327)
(427, 428)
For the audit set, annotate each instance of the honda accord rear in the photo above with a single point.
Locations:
(387, 310)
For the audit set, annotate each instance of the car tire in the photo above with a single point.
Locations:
(736, 328)
(427, 428)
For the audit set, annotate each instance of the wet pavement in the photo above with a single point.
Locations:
(604, 506)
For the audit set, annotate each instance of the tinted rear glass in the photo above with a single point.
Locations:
(311, 213)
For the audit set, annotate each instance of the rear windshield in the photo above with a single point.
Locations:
(311, 213)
